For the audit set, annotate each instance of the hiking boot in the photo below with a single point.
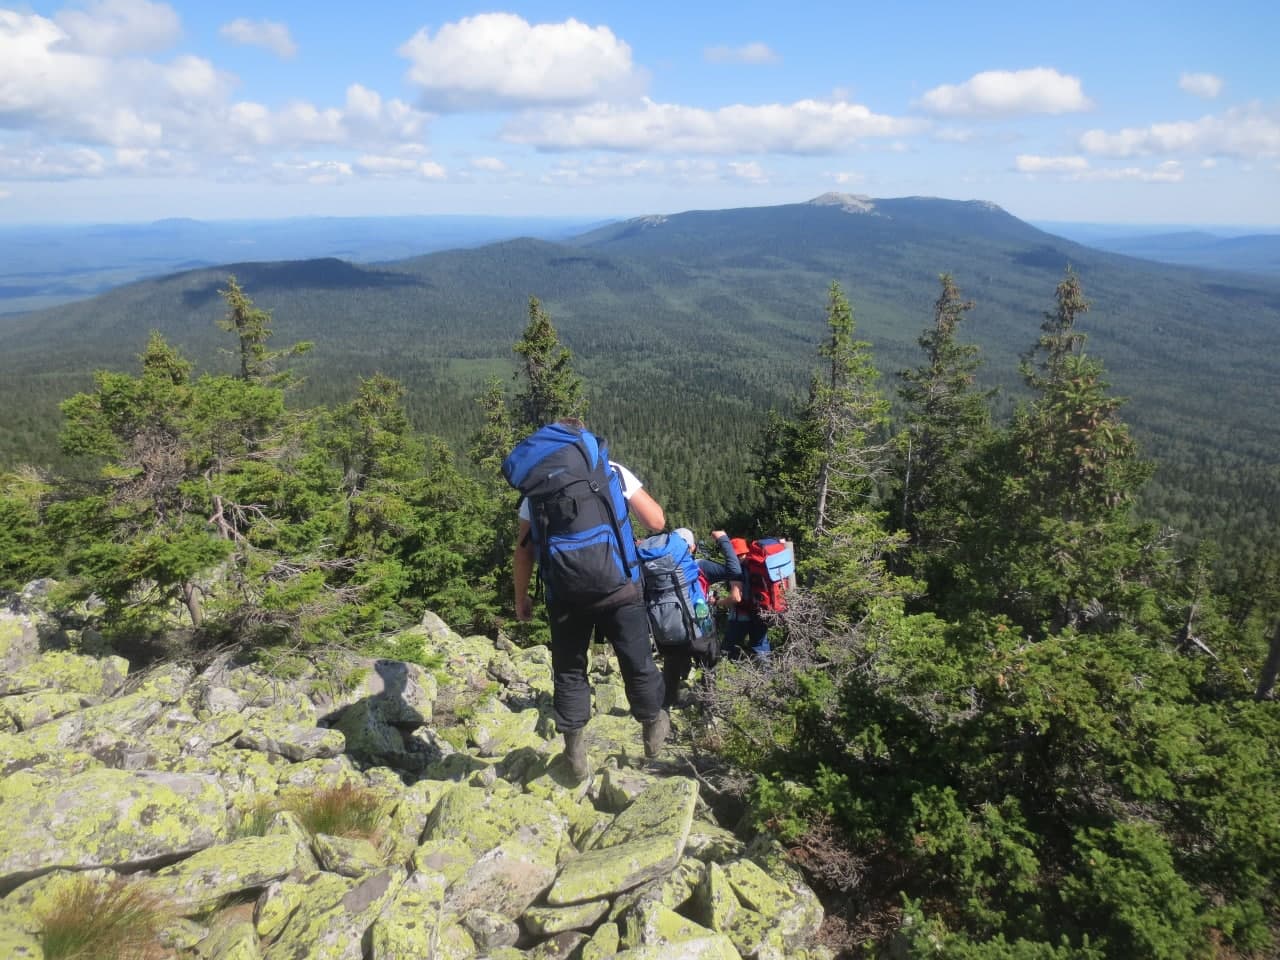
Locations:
(575, 751)
(656, 732)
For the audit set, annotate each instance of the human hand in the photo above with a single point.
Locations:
(717, 534)
(524, 608)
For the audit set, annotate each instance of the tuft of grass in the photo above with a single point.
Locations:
(255, 820)
(346, 810)
(91, 920)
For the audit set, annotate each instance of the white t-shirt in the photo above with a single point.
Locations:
(630, 484)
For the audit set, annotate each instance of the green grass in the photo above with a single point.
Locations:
(90, 920)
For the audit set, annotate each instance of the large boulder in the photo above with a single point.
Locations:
(106, 818)
(325, 929)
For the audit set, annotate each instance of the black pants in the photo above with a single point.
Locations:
(677, 662)
(626, 627)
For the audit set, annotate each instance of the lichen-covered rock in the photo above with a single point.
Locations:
(181, 933)
(717, 947)
(710, 843)
(206, 878)
(652, 924)
(319, 774)
(490, 930)
(322, 930)
(61, 672)
(408, 818)
(618, 787)
(26, 710)
(562, 946)
(671, 891)
(755, 936)
(544, 921)
(715, 903)
(295, 742)
(201, 738)
(105, 817)
(756, 889)
(112, 730)
(505, 880)
(346, 856)
(16, 941)
(231, 941)
(495, 731)
(450, 858)
(415, 926)
(666, 808)
(19, 641)
(484, 820)
(280, 900)
(603, 943)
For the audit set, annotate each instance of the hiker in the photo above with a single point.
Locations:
(678, 662)
(592, 582)
(745, 622)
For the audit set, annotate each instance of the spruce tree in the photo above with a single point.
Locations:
(252, 327)
(551, 389)
(948, 422)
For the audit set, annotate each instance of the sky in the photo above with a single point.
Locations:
(1117, 112)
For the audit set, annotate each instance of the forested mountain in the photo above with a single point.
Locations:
(716, 313)
(1253, 253)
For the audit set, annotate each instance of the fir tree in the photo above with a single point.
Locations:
(252, 327)
(551, 389)
(947, 425)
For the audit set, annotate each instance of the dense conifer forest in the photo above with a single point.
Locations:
(1010, 714)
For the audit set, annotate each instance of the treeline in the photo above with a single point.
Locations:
(1006, 718)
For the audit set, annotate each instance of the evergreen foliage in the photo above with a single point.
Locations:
(1060, 743)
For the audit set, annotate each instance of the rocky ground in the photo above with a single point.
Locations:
(187, 785)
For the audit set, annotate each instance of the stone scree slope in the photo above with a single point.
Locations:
(180, 783)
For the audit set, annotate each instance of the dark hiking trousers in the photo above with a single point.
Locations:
(626, 627)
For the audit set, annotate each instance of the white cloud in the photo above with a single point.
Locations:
(748, 53)
(1208, 163)
(314, 172)
(491, 164)
(5, 194)
(683, 171)
(1205, 85)
(113, 27)
(1250, 132)
(408, 161)
(804, 127)
(161, 117)
(59, 163)
(268, 34)
(1029, 163)
(496, 60)
(750, 171)
(1077, 168)
(996, 93)
(847, 177)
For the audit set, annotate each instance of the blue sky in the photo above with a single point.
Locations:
(115, 110)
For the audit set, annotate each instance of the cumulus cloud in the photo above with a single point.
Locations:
(1201, 84)
(1078, 168)
(804, 127)
(267, 34)
(847, 178)
(497, 60)
(158, 116)
(750, 171)
(113, 27)
(1029, 163)
(1003, 93)
(410, 160)
(684, 171)
(1251, 132)
(748, 53)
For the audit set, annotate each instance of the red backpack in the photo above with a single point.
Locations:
(770, 568)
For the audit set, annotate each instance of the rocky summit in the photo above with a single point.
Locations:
(225, 798)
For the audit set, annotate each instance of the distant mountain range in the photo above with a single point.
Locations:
(705, 310)
(42, 266)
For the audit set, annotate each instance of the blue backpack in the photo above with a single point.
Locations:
(679, 615)
(577, 514)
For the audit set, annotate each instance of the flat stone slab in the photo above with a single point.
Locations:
(106, 818)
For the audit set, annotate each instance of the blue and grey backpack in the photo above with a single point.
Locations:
(577, 514)
(674, 594)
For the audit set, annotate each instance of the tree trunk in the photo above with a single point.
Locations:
(1267, 682)
(190, 596)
